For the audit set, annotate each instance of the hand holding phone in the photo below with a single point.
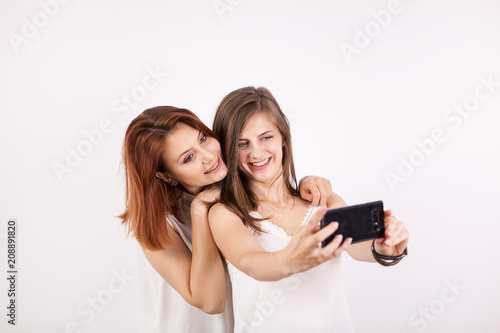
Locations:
(360, 222)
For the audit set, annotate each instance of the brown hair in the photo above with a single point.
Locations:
(231, 117)
(148, 198)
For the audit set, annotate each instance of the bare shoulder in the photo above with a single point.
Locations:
(220, 213)
(174, 244)
(219, 208)
(335, 201)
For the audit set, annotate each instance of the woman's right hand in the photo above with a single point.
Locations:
(304, 252)
(207, 198)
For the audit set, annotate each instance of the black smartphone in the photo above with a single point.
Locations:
(360, 222)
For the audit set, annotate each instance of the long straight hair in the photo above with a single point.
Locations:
(149, 199)
(231, 117)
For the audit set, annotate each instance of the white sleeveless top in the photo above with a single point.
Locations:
(309, 302)
(161, 308)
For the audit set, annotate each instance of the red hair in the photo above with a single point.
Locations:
(148, 198)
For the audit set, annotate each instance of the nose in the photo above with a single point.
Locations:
(255, 151)
(207, 156)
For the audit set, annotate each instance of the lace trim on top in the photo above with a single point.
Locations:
(275, 230)
(272, 229)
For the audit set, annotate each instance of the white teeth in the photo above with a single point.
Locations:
(213, 168)
(260, 163)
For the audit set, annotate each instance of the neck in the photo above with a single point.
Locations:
(275, 192)
(193, 190)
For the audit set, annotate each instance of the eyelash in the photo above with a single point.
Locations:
(203, 139)
(243, 144)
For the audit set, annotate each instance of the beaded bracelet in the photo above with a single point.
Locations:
(387, 260)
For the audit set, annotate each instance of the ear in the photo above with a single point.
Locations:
(163, 176)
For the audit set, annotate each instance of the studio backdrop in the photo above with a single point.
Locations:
(393, 100)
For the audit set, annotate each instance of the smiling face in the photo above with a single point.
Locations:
(193, 158)
(260, 150)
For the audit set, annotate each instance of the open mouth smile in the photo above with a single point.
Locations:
(214, 167)
(261, 163)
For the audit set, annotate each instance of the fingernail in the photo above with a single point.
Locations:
(387, 242)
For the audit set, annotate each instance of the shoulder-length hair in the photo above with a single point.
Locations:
(148, 198)
(231, 117)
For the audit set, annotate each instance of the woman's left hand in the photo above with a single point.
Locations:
(396, 237)
(317, 190)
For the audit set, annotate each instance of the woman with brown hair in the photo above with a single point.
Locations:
(261, 217)
(171, 160)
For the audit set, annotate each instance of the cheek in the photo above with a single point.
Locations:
(214, 147)
(186, 173)
(241, 157)
(242, 166)
(178, 174)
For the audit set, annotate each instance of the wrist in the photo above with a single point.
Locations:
(198, 208)
(386, 260)
(380, 248)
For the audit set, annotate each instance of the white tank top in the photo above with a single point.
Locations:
(309, 302)
(161, 308)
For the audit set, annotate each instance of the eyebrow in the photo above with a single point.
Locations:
(264, 133)
(180, 155)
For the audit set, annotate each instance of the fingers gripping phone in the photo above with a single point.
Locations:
(360, 222)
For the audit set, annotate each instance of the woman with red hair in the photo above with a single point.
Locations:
(173, 166)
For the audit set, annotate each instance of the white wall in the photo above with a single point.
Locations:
(67, 69)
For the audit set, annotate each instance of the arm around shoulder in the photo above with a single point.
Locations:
(335, 201)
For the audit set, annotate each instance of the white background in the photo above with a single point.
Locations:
(354, 118)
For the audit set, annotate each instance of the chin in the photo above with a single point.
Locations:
(218, 176)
